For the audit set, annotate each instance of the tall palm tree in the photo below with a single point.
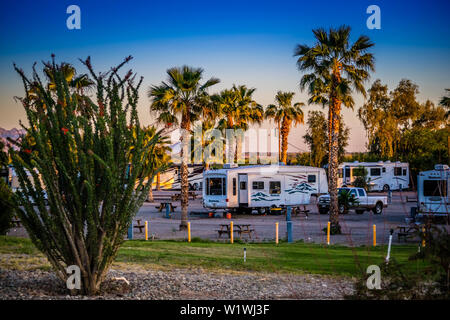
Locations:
(285, 115)
(237, 110)
(183, 96)
(336, 68)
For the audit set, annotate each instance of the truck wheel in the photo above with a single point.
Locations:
(386, 188)
(323, 211)
(359, 211)
(378, 208)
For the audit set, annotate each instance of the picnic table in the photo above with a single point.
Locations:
(411, 231)
(163, 205)
(238, 228)
(139, 225)
(300, 210)
(177, 196)
(16, 221)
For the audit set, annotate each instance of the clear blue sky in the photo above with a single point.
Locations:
(242, 42)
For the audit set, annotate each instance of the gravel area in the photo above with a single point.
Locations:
(178, 284)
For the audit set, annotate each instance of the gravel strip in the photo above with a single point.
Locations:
(179, 284)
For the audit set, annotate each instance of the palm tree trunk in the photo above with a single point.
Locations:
(285, 128)
(334, 113)
(184, 171)
(279, 141)
(238, 154)
(158, 181)
(150, 194)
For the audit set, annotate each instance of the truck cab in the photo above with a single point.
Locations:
(362, 202)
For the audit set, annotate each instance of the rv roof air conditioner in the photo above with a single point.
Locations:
(230, 165)
(441, 167)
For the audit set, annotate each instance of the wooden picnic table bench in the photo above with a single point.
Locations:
(139, 225)
(239, 229)
(16, 221)
(177, 196)
(300, 210)
(163, 205)
(410, 231)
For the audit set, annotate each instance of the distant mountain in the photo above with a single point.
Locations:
(12, 134)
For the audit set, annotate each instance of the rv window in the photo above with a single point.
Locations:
(397, 171)
(234, 186)
(384, 169)
(404, 172)
(257, 185)
(243, 185)
(275, 187)
(215, 186)
(347, 172)
(435, 188)
(312, 178)
(375, 172)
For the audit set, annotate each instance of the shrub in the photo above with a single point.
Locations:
(6, 207)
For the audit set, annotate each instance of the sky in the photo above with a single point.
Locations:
(239, 42)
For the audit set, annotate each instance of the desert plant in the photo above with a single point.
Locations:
(91, 165)
(6, 207)
(346, 200)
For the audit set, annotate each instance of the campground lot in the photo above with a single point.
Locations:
(357, 229)
(207, 268)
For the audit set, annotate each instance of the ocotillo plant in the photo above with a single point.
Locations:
(90, 164)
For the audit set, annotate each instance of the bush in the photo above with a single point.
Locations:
(6, 207)
(433, 283)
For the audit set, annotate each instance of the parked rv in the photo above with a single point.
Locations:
(261, 186)
(363, 202)
(383, 176)
(433, 192)
(171, 178)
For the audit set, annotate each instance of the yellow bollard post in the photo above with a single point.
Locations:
(374, 235)
(276, 233)
(146, 230)
(423, 241)
(328, 232)
(231, 231)
(189, 231)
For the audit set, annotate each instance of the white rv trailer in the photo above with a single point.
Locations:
(384, 176)
(171, 179)
(433, 188)
(261, 186)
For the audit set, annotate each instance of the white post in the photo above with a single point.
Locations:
(245, 254)
(389, 246)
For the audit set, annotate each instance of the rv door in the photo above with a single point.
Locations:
(243, 189)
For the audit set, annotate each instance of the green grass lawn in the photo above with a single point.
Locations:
(296, 258)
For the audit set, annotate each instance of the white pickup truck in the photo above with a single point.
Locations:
(363, 202)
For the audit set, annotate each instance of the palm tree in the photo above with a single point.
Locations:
(336, 68)
(237, 110)
(445, 102)
(183, 96)
(285, 115)
(158, 157)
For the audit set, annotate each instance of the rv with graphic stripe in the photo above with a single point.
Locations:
(382, 176)
(262, 186)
